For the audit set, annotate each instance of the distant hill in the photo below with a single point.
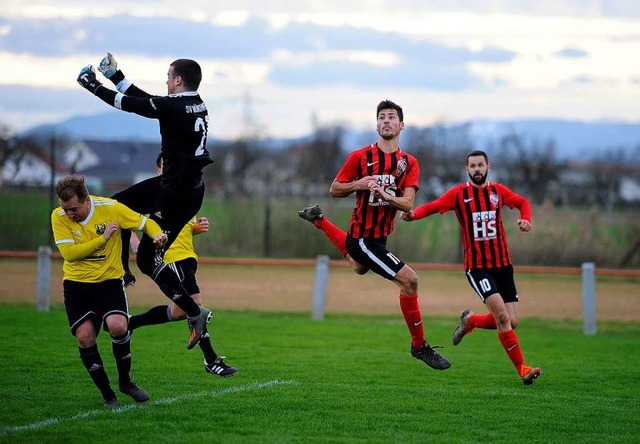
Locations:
(572, 138)
(108, 126)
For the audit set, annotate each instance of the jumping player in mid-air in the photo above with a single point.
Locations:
(384, 179)
(175, 197)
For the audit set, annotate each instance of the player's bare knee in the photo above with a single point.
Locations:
(86, 341)
(408, 280)
(502, 319)
(359, 268)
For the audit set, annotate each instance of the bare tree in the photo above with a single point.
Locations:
(15, 150)
(528, 165)
(440, 150)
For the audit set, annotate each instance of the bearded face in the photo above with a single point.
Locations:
(478, 178)
(477, 169)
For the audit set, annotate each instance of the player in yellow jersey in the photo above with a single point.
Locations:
(86, 230)
(182, 258)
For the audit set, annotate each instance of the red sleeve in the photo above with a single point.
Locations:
(349, 171)
(512, 200)
(442, 204)
(413, 174)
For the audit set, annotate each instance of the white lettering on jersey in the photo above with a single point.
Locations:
(388, 183)
(484, 225)
(192, 109)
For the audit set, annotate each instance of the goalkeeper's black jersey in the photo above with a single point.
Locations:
(184, 124)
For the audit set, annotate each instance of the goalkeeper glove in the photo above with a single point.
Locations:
(87, 79)
(108, 66)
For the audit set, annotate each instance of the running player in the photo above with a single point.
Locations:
(478, 205)
(182, 257)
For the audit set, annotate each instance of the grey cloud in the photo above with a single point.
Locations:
(406, 75)
(423, 62)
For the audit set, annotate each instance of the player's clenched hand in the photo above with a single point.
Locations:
(108, 66)
(376, 190)
(363, 183)
(203, 225)
(111, 228)
(524, 225)
(159, 240)
(87, 79)
(408, 215)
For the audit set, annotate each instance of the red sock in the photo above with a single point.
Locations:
(411, 312)
(486, 321)
(511, 345)
(336, 235)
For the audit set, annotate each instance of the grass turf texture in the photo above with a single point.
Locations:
(345, 379)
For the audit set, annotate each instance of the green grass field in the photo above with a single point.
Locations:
(344, 379)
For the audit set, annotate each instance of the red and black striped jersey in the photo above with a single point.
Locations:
(479, 212)
(373, 218)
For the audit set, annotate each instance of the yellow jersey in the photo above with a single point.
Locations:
(182, 247)
(88, 257)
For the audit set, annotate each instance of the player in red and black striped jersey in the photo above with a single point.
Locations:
(175, 197)
(385, 180)
(478, 205)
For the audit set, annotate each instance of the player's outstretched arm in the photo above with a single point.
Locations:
(138, 105)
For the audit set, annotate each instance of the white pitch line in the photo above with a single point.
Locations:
(165, 401)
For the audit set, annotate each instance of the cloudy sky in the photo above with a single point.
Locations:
(279, 66)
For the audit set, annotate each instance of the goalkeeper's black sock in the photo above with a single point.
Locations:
(159, 314)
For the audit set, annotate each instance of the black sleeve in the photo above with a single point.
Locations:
(143, 106)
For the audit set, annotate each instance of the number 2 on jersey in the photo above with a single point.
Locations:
(201, 125)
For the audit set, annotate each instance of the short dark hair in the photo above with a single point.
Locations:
(388, 104)
(190, 72)
(70, 186)
(477, 153)
(159, 160)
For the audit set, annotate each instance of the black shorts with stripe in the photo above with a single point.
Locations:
(93, 300)
(186, 270)
(488, 281)
(373, 254)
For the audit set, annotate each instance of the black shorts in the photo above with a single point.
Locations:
(171, 209)
(373, 254)
(186, 270)
(93, 300)
(488, 281)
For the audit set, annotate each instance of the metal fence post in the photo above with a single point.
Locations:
(43, 282)
(588, 298)
(320, 290)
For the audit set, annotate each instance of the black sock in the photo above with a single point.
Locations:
(121, 346)
(157, 315)
(207, 349)
(93, 363)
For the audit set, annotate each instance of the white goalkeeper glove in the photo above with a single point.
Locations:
(108, 66)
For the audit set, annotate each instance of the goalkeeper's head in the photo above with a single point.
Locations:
(189, 71)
